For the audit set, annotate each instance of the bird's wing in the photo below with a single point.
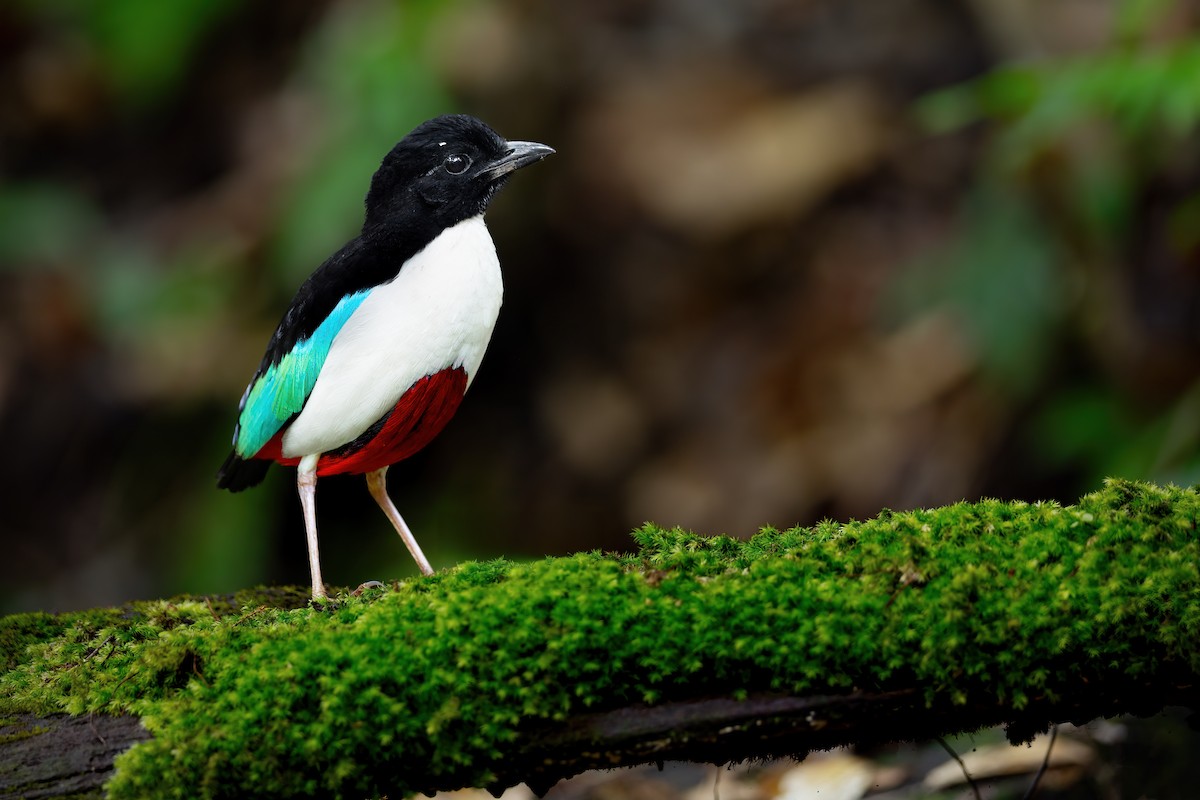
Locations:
(297, 350)
(280, 389)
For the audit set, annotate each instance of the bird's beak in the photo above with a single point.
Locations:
(520, 154)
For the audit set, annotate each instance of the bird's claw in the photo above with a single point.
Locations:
(365, 586)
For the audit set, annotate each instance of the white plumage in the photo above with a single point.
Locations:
(438, 313)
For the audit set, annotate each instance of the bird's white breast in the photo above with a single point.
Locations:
(438, 313)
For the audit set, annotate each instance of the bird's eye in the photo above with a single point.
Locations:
(456, 163)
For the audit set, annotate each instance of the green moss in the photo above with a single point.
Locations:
(19, 631)
(394, 691)
(5, 738)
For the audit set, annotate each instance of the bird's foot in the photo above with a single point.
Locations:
(366, 586)
(323, 602)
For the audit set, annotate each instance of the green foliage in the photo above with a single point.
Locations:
(1059, 230)
(40, 221)
(1143, 92)
(1111, 120)
(426, 684)
(144, 46)
(1002, 279)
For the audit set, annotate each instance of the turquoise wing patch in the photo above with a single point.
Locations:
(280, 392)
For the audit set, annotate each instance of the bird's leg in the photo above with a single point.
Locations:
(377, 485)
(306, 483)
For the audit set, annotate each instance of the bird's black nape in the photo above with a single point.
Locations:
(238, 473)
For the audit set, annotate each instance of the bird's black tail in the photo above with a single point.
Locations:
(239, 473)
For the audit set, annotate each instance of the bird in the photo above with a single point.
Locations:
(379, 345)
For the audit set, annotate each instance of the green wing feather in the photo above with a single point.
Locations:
(279, 393)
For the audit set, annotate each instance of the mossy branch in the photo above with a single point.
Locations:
(911, 625)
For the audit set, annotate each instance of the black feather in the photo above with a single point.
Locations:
(238, 473)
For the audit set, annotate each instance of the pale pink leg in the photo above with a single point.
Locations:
(306, 483)
(377, 485)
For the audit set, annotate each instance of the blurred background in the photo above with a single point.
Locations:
(794, 259)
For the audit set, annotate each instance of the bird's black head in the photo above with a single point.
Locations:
(444, 172)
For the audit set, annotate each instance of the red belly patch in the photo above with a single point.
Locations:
(417, 417)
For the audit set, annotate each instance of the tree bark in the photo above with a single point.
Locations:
(62, 756)
(42, 758)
